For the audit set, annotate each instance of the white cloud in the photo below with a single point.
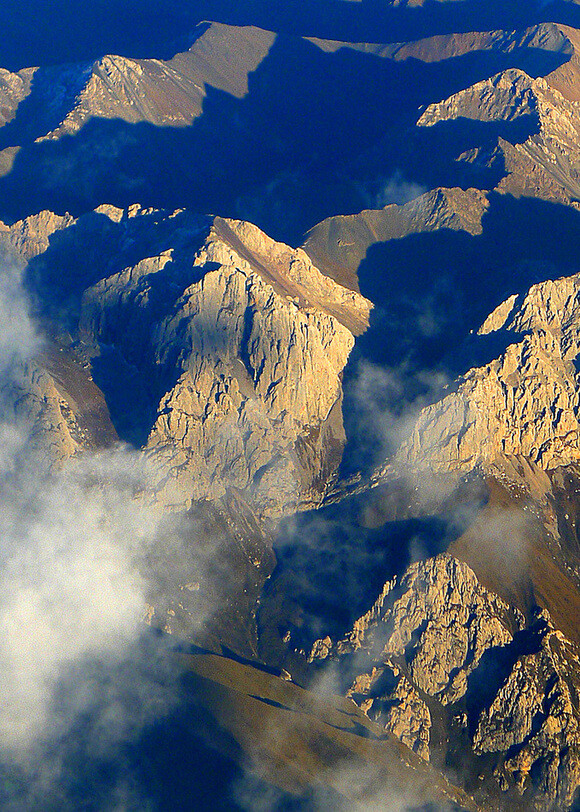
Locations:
(74, 546)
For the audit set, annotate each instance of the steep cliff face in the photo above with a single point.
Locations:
(540, 161)
(58, 409)
(216, 351)
(28, 238)
(235, 343)
(455, 672)
(168, 93)
(14, 88)
(220, 356)
(523, 403)
(251, 348)
(340, 244)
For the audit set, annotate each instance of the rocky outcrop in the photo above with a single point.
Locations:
(52, 432)
(14, 88)
(552, 121)
(534, 719)
(440, 619)
(249, 355)
(172, 93)
(30, 237)
(339, 244)
(437, 641)
(56, 407)
(234, 345)
(524, 403)
(398, 708)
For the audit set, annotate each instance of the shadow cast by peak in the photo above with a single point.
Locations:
(95, 247)
(441, 284)
(303, 144)
(430, 156)
(495, 667)
(432, 291)
(50, 32)
(333, 562)
(52, 93)
(42, 32)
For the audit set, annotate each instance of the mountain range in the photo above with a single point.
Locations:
(289, 376)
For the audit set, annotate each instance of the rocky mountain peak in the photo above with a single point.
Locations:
(525, 402)
(14, 88)
(338, 245)
(438, 648)
(238, 344)
(449, 208)
(537, 153)
(166, 93)
(506, 96)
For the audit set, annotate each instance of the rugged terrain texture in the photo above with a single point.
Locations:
(339, 245)
(366, 450)
(168, 93)
(215, 350)
(542, 164)
(525, 402)
(455, 672)
(59, 407)
(14, 87)
(165, 93)
(238, 344)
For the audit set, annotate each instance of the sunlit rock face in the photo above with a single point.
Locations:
(238, 343)
(253, 348)
(168, 93)
(14, 88)
(543, 164)
(216, 361)
(525, 402)
(437, 642)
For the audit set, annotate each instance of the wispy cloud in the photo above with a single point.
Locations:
(392, 189)
(383, 403)
(74, 581)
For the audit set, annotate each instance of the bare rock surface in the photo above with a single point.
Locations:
(534, 719)
(523, 403)
(440, 619)
(56, 406)
(256, 344)
(548, 148)
(437, 641)
(339, 244)
(236, 343)
(14, 88)
(170, 93)
(390, 700)
(30, 237)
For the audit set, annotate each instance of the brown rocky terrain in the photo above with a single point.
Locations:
(450, 668)
(14, 87)
(339, 245)
(361, 456)
(538, 388)
(281, 727)
(243, 342)
(168, 93)
(548, 154)
(216, 335)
